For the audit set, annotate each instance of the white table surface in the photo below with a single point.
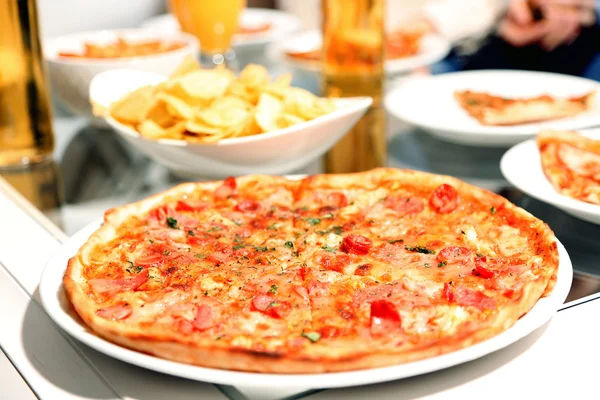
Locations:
(556, 361)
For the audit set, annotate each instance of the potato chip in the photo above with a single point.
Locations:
(208, 105)
(268, 111)
(132, 109)
(176, 107)
(206, 83)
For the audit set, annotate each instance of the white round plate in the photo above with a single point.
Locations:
(433, 49)
(57, 306)
(429, 103)
(521, 166)
(282, 24)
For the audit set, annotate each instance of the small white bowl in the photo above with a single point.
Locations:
(70, 78)
(278, 152)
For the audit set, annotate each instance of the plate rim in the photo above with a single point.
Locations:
(565, 203)
(492, 134)
(49, 293)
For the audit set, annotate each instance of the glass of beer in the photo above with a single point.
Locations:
(25, 117)
(353, 58)
(213, 22)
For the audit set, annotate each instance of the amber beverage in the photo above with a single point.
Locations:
(353, 54)
(25, 117)
(213, 22)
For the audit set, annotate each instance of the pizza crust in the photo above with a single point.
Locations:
(208, 354)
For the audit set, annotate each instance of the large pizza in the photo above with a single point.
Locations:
(327, 273)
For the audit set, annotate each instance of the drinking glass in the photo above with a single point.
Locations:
(214, 23)
(25, 118)
(353, 58)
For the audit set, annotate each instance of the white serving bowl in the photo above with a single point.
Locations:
(70, 78)
(278, 152)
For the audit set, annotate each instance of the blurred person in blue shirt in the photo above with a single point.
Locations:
(542, 35)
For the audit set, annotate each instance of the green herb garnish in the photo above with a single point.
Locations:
(420, 249)
(289, 244)
(396, 241)
(442, 264)
(273, 289)
(191, 233)
(313, 221)
(493, 210)
(172, 222)
(329, 249)
(312, 336)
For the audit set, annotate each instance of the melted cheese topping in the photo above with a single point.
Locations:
(261, 270)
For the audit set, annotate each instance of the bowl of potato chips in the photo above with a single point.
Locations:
(211, 123)
(74, 59)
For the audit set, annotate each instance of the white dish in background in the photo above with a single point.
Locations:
(282, 24)
(58, 308)
(433, 48)
(70, 78)
(521, 166)
(278, 152)
(429, 103)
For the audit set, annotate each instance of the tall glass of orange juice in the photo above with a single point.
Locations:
(214, 23)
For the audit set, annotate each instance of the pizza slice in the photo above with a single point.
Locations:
(572, 164)
(497, 110)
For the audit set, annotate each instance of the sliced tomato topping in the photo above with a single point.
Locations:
(228, 188)
(304, 272)
(191, 205)
(270, 306)
(453, 254)
(363, 269)
(317, 288)
(328, 332)
(444, 199)
(337, 199)
(334, 262)
(116, 312)
(204, 318)
(356, 244)
(404, 205)
(247, 206)
(150, 260)
(384, 317)
(482, 270)
(467, 297)
(447, 293)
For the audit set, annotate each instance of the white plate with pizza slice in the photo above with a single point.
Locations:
(430, 103)
(258, 26)
(522, 167)
(298, 51)
(60, 310)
